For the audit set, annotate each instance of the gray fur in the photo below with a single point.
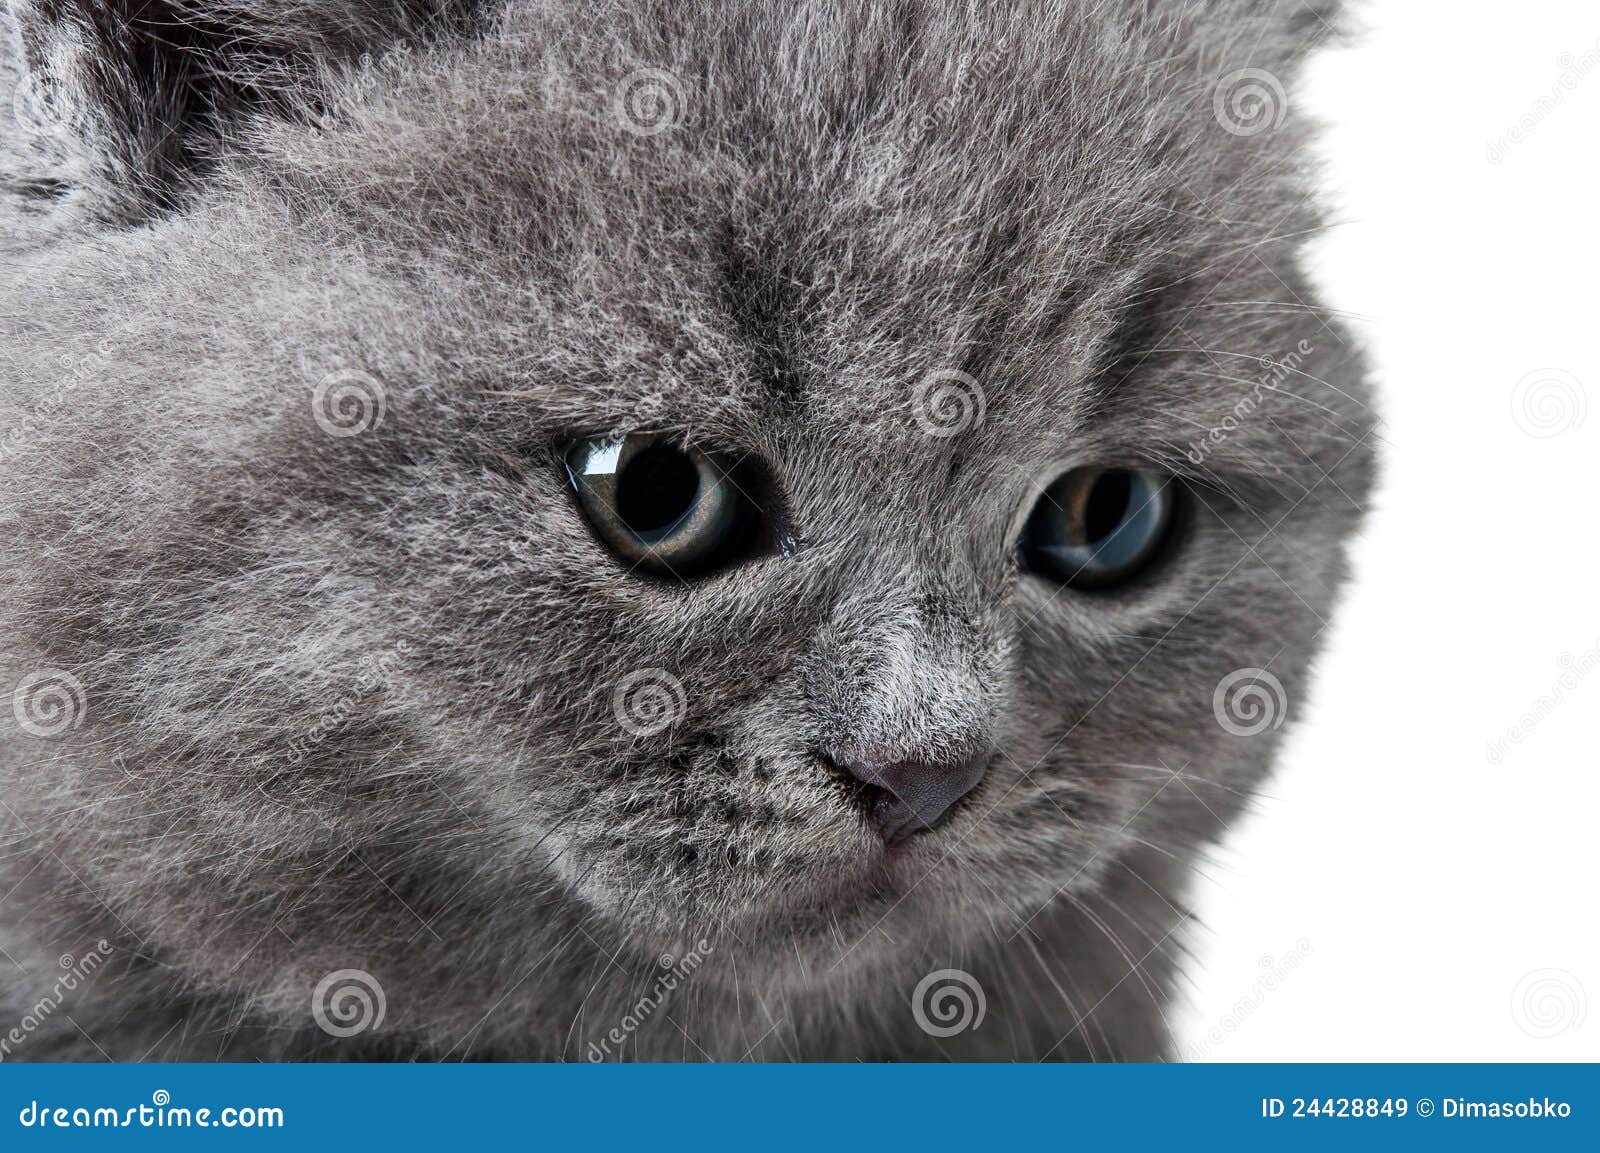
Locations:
(351, 702)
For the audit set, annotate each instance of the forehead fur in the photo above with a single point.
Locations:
(831, 207)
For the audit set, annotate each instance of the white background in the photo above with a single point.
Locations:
(1434, 904)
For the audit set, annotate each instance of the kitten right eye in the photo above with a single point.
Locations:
(1095, 528)
(670, 510)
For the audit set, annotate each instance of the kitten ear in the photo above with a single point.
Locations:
(155, 84)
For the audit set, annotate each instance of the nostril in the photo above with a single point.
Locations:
(908, 795)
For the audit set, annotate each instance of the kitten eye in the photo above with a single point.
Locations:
(1097, 527)
(672, 510)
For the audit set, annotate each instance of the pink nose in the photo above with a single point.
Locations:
(912, 795)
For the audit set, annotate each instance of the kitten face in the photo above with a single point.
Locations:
(397, 705)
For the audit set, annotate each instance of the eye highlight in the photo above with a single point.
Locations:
(670, 510)
(1098, 527)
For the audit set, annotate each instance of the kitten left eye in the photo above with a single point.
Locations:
(1097, 527)
(671, 510)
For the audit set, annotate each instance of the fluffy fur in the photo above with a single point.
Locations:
(350, 702)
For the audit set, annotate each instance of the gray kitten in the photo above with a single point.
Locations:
(651, 530)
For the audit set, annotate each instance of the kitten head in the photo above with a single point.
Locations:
(818, 482)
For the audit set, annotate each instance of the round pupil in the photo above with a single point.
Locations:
(1107, 505)
(656, 488)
